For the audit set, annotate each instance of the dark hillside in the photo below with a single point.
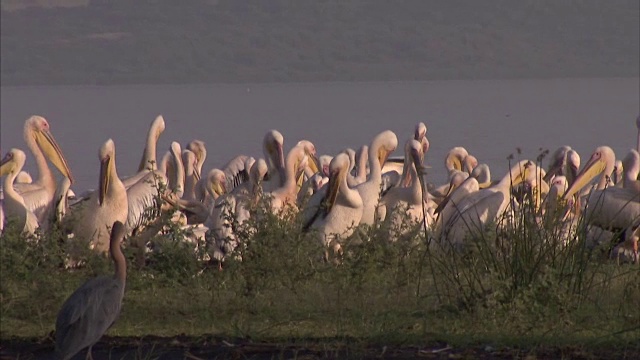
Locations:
(108, 42)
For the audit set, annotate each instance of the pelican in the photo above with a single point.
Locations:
(200, 150)
(208, 189)
(191, 174)
(408, 200)
(565, 162)
(342, 207)
(13, 204)
(608, 207)
(148, 160)
(236, 171)
(631, 165)
(272, 147)
(38, 194)
(310, 151)
(232, 209)
(325, 160)
(91, 310)
(638, 141)
(287, 195)
(105, 206)
(381, 147)
(455, 159)
(24, 177)
(450, 204)
(482, 207)
(361, 164)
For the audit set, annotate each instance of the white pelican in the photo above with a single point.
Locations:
(381, 147)
(233, 209)
(455, 159)
(13, 204)
(105, 206)
(191, 174)
(91, 310)
(38, 194)
(325, 160)
(407, 200)
(485, 206)
(148, 160)
(24, 177)
(450, 205)
(209, 188)
(631, 165)
(273, 149)
(565, 161)
(200, 150)
(362, 158)
(341, 209)
(286, 196)
(608, 207)
(236, 171)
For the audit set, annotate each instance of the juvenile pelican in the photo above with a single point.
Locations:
(91, 310)
(38, 194)
(381, 147)
(608, 207)
(341, 210)
(105, 206)
(13, 204)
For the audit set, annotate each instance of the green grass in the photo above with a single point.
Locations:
(380, 293)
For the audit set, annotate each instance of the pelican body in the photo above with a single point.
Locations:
(13, 204)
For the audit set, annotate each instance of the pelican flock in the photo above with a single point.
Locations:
(331, 195)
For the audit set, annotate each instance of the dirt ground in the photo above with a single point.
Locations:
(218, 348)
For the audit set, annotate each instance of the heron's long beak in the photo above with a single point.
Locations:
(51, 148)
(594, 167)
(105, 178)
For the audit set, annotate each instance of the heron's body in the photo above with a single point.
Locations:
(91, 310)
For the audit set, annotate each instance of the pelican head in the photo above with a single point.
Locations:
(386, 142)
(36, 128)
(190, 161)
(258, 170)
(325, 160)
(482, 173)
(420, 132)
(631, 164)
(12, 162)
(273, 145)
(455, 158)
(618, 169)
(602, 161)
(337, 173)
(310, 151)
(216, 180)
(573, 163)
(200, 150)
(107, 167)
(470, 163)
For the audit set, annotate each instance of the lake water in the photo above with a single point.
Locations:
(490, 118)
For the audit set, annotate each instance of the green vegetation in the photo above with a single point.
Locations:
(527, 292)
(204, 41)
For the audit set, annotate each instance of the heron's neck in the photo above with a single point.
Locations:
(120, 263)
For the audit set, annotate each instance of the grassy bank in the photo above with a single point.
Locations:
(382, 293)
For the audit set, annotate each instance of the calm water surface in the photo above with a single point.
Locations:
(489, 118)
